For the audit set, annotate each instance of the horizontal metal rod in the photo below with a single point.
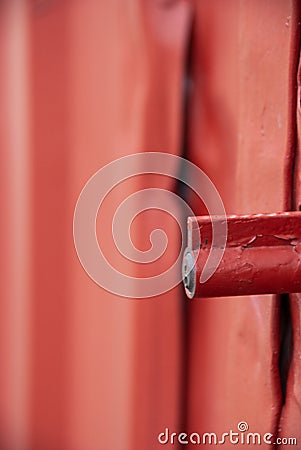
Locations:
(262, 256)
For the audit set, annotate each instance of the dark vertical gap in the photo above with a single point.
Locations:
(286, 342)
(182, 190)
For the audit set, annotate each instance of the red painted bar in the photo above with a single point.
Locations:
(262, 256)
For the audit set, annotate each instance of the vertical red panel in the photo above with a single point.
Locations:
(52, 210)
(291, 415)
(242, 135)
(106, 83)
(15, 199)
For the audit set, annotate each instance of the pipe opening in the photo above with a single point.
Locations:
(188, 274)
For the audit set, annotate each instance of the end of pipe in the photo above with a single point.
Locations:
(188, 273)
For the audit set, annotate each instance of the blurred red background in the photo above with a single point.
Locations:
(83, 83)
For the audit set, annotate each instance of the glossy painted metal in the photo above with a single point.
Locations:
(242, 134)
(262, 256)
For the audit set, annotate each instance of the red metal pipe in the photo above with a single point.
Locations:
(262, 256)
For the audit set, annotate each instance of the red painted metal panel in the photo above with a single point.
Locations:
(291, 414)
(242, 135)
(105, 81)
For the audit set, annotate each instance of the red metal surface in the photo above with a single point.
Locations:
(291, 413)
(291, 416)
(102, 80)
(83, 83)
(15, 223)
(262, 256)
(242, 134)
